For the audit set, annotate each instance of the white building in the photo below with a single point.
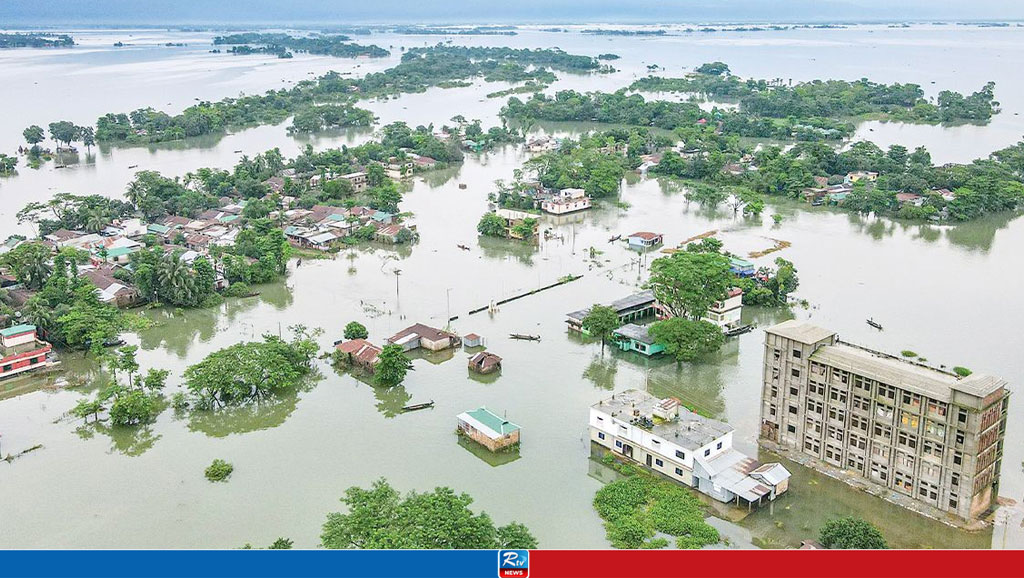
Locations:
(686, 447)
(726, 313)
(566, 201)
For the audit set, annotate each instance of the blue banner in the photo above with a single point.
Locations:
(246, 563)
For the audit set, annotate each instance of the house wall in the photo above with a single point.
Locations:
(489, 443)
(443, 343)
(22, 338)
(25, 362)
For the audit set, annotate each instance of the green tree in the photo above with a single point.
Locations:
(600, 322)
(34, 134)
(785, 280)
(687, 284)
(851, 533)
(392, 365)
(687, 340)
(30, 263)
(356, 330)
(491, 225)
(379, 517)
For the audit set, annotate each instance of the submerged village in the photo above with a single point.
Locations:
(917, 439)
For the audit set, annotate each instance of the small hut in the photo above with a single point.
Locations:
(484, 362)
(488, 429)
(472, 340)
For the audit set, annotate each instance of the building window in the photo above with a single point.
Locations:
(718, 446)
(680, 455)
(791, 428)
(794, 372)
(794, 391)
(659, 463)
(618, 444)
(707, 452)
(792, 409)
(600, 435)
(796, 353)
(679, 471)
(656, 442)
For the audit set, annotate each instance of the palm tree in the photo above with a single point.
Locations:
(135, 193)
(174, 278)
(36, 270)
(39, 313)
(95, 220)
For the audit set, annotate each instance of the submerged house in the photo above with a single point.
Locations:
(485, 363)
(488, 429)
(420, 335)
(359, 353)
(21, 350)
(645, 240)
(566, 201)
(472, 340)
(683, 446)
(633, 337)
(741, 267)
(632, 308)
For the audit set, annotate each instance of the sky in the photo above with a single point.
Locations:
(27, 13)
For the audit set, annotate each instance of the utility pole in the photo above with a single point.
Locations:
(448, 306)
(397, 273)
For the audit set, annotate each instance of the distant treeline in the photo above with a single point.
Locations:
(336, 45)
(420, 69)
(33, 40)
(829, 98)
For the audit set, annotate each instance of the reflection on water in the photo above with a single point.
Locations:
(814, 498)
(130, 441)
(601, 372)
(266, 413)
(493, 459)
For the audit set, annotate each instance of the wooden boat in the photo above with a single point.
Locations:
(462, 185)
(238, 151)
(524, 337)
(463, 247)
(418, 406)
(615, 238)
(133, 166)
(739, 330)
(874, 324)
(116, 342)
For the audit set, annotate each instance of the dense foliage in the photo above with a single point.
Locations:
(634, 508)
(851, 534)
(218, 470)
(381, 518)
(250, 371)
(34, 40)
(392, 365)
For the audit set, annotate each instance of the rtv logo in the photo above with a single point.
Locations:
(513, 563)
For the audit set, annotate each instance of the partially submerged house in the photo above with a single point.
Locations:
(484, 363)
(21, 350)
(488, 429)
(359, 353)
(566, 201)
(726, 312)
(741, 267)
(633, 337)
(632, 308)
(643, 240)
(683, 446)
(472, 340)
(420, 335)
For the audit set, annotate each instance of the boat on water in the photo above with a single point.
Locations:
(615, 238)
(418, 406)
(874, 324)
(739, 330)
(463, 247)
(524, 337)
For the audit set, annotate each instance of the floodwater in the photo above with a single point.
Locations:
(944, 292)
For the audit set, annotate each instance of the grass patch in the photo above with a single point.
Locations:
(909, 353)
(962, 371)
(219, 471)
(640, 505)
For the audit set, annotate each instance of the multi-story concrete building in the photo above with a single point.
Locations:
(928, 434)
(683, 446)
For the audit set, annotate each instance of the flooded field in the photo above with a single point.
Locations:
(946, 292)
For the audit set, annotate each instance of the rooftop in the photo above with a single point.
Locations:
(647, 235)
(637, 300)
(690, 431)
(488, 422)
(17, 330)
(800, 331)
(904, 374)
(635, 332)
(420, 330)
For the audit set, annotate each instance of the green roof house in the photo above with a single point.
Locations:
(488, 429)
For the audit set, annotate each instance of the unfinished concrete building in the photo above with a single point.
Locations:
(926, 433)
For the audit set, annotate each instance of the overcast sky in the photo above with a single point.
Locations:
(283, 12)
